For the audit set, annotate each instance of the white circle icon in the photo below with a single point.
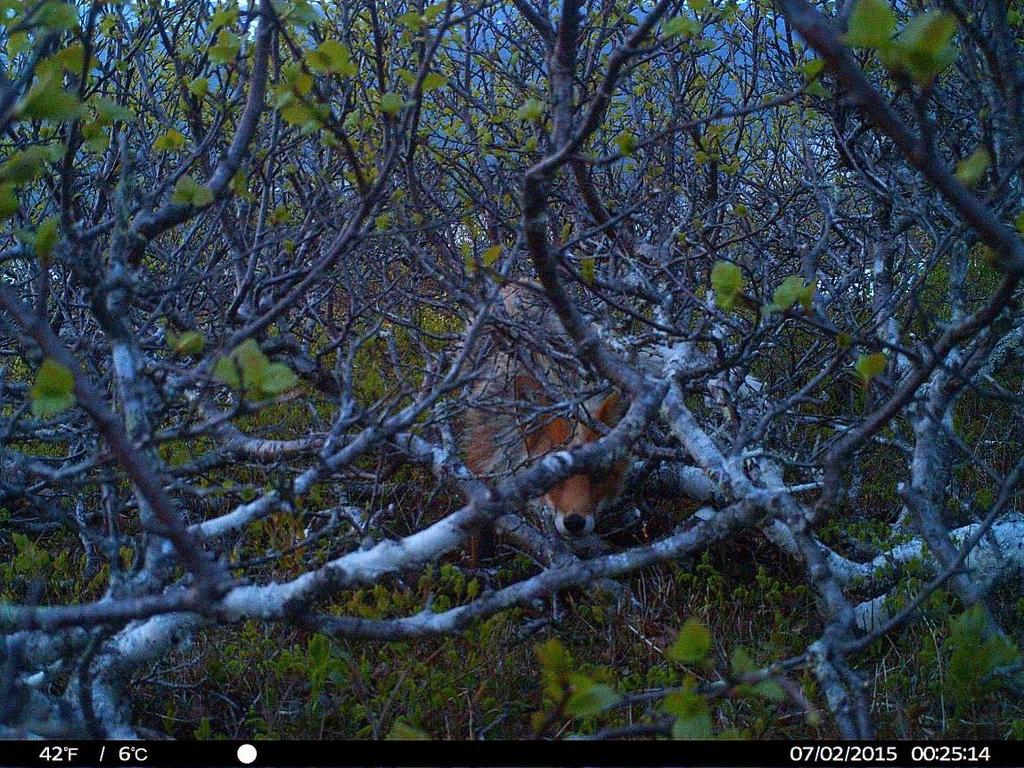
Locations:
(246, 753)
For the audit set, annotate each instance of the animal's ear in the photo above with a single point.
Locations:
(612, 409)
(552, 434)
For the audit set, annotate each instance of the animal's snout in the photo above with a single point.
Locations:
(574, 524)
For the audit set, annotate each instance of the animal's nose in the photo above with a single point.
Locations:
(575, 523)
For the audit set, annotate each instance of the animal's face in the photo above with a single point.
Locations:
(577, 501)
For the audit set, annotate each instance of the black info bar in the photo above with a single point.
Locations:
(414, 754)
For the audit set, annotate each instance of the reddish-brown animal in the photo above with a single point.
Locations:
(526, 367)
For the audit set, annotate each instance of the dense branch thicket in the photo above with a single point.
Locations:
(252, 270)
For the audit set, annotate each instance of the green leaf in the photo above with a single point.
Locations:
(971, 170)
(928, 33)
(95, 137)
(402, 731)
(8, 202)
(869, 366)
(693, 716)
(258, 376)
(46, 100)
(225, 17)
(226, 371)
(199, 87)
(681, 25)
(741, 661)
(300, 114)
(108, 26)
(240, 186)
(998, 651)
(188, 191)
(301, 83)
(1018, 222)
(225, 49)
(391, 103)
(246, 359)
(530, 111)
(626, 142)
(299, 12)
(172, 141)
(490, 255)
(281, 215)
(278, 378)
(53, 390)
(252, 362)
(433, 81)
(431, 12)
(812, 69)
(70, 59)
(588, 270)
(109, 111)
(771, 690)
(56, 16)
(872, 23)
(332, 56)
(973, 657)
(410, 20)
(318, 649)
(18, 43)
(695, 727)
(189, 343)
(984, 498)
(727, 283)
(786, 295)
(692, 644)
(588, 697)
(924, 47)
(26, 165)
(553, 655)
(46, 238)
(806, 297)
(204, 732)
